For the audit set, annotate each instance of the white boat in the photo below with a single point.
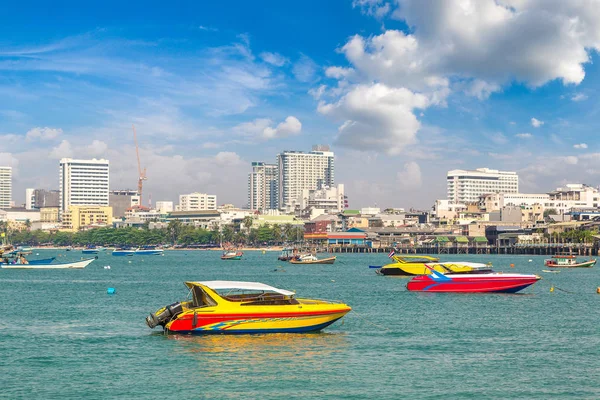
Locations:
(69, 265)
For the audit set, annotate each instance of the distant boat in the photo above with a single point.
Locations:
(92, 250)
(69, 265)
(311, 259)
(123, 252)
(232, 255)
(568, 261)
(149, 251)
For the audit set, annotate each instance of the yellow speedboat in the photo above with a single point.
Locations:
(415, 265)
(245, 307)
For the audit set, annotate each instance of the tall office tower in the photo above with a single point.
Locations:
(197, 201)
(299, 170)
(83, 183)
(5, 187)
(262, 187)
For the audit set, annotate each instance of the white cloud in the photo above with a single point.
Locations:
(227, 158)
(43, 133)
(210, 145)
(263, 128)
(580, 146)
(375, 8)
(571, 160)
(305, 69)
(63, 150)
(318, 92)
(376, 117)
(536, 123)
(338, 72)
(497, 138)
(579, 97)
(410, 176)
(207, 28)
(524, 135)
(274, 59)
(291, 126)
(97, 148)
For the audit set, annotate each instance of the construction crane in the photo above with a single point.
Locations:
(142, 173)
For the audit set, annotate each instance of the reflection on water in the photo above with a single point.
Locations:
(238, 359)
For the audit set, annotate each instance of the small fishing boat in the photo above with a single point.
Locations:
(287, 254)
(123, 252)
(92, 250)
(417, 265)
(471, 283)
(232, 255)
(568, 261)
(311, 259)
(149, 251)
(245, 307)
(67, 265)
(42, 261)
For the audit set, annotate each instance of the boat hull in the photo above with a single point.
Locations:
(42, 261)
(297, 322)
(476, 283)
(89, 251)
(329, 260)
(149, 252)
(73, 265)
(122, 253)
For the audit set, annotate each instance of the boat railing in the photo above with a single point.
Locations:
(319, 301)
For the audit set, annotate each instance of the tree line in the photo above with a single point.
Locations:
(175, 233)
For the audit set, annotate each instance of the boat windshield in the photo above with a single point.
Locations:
(256, 297)
(200, 298)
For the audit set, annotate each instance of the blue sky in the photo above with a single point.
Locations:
(400, 92)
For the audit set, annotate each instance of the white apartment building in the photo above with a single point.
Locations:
(465, 186)
(563, 199)
(29, 199)
(262, 187)
(164, 207)
(197, 201)
(327, 199)
(83, 183)
(5, 187)
(299, 170)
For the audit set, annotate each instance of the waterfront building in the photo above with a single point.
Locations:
(83, 183)
(49, 214)
(465, 186)
(29, 199)
(142, 214)
(5, 187)
(122, 200)
(197, 201)
(205, 219)
(263, 186)
(164, 207)
(77, 217)
(46, 198)
(328, 199)
(495, 201)
(300, 170)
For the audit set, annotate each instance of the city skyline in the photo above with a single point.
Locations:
(210, 92)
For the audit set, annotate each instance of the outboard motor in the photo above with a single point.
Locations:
(170, 312)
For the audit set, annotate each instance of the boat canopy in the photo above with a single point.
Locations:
(234, 285)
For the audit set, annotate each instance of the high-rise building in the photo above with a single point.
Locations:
(197, 201)
(29, 199)
(326, 198)
(465, 186)
(5, 187)
(262, 186)
(121, 200)
(83, 183)
(299, 170)
(45, 198)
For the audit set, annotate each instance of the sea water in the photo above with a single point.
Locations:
(63, 336)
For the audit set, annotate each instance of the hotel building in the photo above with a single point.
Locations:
(197, 201)
(466, 186)
(299, 170)
(5, 187)
(262, 187)
(83, 183)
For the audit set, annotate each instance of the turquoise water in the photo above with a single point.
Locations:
(62, 336)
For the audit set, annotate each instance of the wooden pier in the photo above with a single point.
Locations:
(579, 249)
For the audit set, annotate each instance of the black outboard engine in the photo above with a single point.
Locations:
(170, 312)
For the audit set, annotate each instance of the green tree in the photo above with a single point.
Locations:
(276, 232)
(550, 211)
(174, 229)
(248, 221)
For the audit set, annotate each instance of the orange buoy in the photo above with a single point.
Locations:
(598, 290)
(512, 265)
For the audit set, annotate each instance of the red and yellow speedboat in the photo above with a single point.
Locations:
(245, 307)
